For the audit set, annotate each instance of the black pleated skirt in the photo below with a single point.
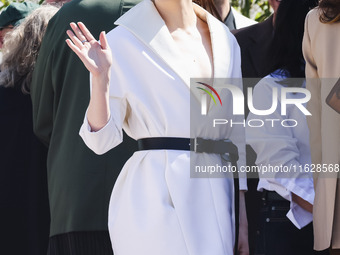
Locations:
(81, 243)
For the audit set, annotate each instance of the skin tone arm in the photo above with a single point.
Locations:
(302, 203)
(243, 245)
(97, 58)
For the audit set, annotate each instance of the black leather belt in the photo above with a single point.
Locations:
(191, 144)
(271, 196)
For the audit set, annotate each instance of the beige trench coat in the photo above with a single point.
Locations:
(321, 48)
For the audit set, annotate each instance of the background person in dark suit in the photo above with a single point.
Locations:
(255, 42)
(256, 62)
(286, 208)
(24, 210)
(79, 182)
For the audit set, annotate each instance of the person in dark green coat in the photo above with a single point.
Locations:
(79, 181)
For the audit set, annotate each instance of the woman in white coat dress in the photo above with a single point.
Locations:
(141, 83)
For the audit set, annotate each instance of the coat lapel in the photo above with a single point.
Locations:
(148, 26)
(222, 56)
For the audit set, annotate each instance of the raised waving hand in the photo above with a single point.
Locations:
(96, 56)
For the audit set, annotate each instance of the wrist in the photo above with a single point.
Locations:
(101, 82)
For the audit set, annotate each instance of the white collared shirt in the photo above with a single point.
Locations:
(282, 146)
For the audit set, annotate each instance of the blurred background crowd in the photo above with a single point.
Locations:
(53, 199)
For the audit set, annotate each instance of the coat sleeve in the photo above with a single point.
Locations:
(313, 85)
(278, 147)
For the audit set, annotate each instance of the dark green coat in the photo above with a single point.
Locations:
(79, 181)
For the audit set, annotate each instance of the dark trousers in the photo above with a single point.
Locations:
(276, 235)
(81, 243)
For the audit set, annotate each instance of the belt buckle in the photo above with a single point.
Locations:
(226, 156)
(233, 156)
(196, 142)
(196, 139)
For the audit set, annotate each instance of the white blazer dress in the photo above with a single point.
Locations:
(156, 208)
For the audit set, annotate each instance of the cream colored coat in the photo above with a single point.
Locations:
(321, 48)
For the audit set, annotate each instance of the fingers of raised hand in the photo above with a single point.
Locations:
(73, 46)
(76, 35)
(87, 34)
(75, 41)
(103, 41)
(81, 32)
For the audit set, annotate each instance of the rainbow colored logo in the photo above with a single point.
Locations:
(209, 93)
